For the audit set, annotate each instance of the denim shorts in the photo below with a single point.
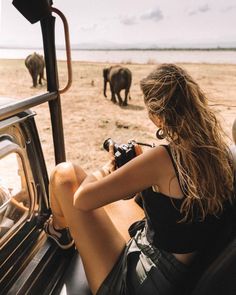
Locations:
(145, 269)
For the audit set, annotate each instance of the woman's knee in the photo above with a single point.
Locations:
(64, 174)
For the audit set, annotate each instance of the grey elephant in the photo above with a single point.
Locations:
(119, 78)
(35, 65)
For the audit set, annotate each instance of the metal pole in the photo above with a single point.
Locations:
(48, 33)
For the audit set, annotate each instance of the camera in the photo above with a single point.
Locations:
(123, 153)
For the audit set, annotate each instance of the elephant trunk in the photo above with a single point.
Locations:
(105, 87)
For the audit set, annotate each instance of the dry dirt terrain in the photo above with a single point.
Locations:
(89, 118)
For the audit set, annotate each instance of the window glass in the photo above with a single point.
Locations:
(14, 195)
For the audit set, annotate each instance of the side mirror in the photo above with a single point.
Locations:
(33, 10)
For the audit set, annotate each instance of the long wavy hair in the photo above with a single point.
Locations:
(196, 139)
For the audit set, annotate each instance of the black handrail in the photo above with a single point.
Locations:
(13, 108)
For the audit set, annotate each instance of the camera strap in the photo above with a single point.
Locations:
(146, 144)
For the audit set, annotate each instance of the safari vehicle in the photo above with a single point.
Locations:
(29, 262)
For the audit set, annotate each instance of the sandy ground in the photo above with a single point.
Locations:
(89, 118)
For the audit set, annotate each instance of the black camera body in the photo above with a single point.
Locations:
(123, 153)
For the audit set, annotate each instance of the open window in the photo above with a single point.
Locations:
(15, 200)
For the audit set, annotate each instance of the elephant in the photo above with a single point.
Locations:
(35, 65)
(119, 78)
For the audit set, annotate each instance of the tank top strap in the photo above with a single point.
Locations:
(167, 147)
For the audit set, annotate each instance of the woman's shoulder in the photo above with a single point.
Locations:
(158, 158)
(159, 152)
(161, 148)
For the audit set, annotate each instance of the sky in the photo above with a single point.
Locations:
(134, 23)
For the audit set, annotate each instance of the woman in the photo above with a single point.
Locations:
(186, 193)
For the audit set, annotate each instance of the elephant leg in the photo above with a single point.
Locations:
(113, 95)
(34, 77)
(125, 103)
(40, 79)
(41, 75)
(120, 99)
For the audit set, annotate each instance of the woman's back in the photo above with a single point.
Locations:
(166, 228)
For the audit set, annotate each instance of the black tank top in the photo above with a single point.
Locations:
(165, 231)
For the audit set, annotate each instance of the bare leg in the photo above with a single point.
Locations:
(123, 214)
(96, 237)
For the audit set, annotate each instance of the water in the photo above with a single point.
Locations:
(135, 56)
(151, 56)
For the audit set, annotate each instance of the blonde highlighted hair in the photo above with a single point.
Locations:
(196, 139)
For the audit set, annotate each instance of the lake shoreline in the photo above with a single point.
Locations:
(139, 56)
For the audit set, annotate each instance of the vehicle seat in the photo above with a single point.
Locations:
(220, 277)
(75, 281)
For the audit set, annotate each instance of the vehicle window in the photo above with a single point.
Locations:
(14, 195)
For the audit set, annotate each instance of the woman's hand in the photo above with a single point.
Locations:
(138, 149)
(108, 167)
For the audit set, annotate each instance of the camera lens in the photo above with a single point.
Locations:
(107, 143)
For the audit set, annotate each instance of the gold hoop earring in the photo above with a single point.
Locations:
(160, 134)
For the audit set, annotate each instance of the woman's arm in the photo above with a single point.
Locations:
(138, 174)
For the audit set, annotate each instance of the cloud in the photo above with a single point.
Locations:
(228, 8)
(155, 14)
(204, 8)
(201, 9)
(129, 20)
(90, 27)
